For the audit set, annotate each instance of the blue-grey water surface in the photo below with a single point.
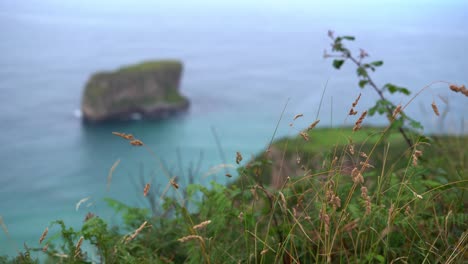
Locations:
(243, 61)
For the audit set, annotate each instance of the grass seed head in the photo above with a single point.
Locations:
(123, 135)
(44, 234)
(351, 149)
(297, 116)
(357, 100)
(238, 157)
(396, 111)
(78, 247)
(190, 237)
(202, 225)
(174, 184)
(146, 190)
(136, 142)
(358, 123)
(314, 124)
(435, 109)
(305, 136)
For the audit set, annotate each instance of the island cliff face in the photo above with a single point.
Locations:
(149, 89)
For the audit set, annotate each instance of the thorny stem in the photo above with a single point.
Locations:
(380, 93)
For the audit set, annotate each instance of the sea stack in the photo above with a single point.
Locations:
(145, 90)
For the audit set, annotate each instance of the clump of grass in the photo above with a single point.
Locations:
(346, 195)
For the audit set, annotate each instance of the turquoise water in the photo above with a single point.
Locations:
(243, 62)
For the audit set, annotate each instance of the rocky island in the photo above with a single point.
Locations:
(148, 90)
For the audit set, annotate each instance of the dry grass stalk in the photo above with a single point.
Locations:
(111, 171)
(365, 196)
(241, 216)
(202, 225)
(352, 111)
(190, 237)
(146, 190)
(351, 225)
(351, 149)
(314, 124)
(174, 184)
(357, 126)
(368, 206)
(415, 156)
(263, 252)
(238, 157)
(357, 100)
(365, 164)
(297, 116)
(80, 202)
(326, 221)
(364, 193)
(283, 200)
(396, 111)
(408, 210)
(44, 234)
(136, 142)
(336, 202)
(78, 247)
(305, 136)
(459, 89)
(123, 135)
(5, 229)
(357, 176)
(335, 159)
(435, 109)
(135, 234)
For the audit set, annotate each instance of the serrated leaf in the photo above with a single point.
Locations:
(338, 63)
(361, 72)
(363, 83)
(368, 66)
(393, 89)
(415, 124)
(349, 38)
(377, 63)
(379, 107)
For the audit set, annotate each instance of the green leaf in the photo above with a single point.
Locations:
(338, 63)
(379, 107)
(361, 72)
(415, 124)
(368, 66)
(363, 83)
(377, 63)
(393, 89)
(349, 38)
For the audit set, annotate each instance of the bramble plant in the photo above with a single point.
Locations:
(341, 54)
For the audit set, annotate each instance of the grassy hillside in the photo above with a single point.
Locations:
(341, 196)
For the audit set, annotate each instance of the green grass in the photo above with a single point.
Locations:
(152, 66)
(410, 212)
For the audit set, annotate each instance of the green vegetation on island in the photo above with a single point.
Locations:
(150, 89)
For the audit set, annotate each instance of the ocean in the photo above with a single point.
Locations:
(244, 61)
